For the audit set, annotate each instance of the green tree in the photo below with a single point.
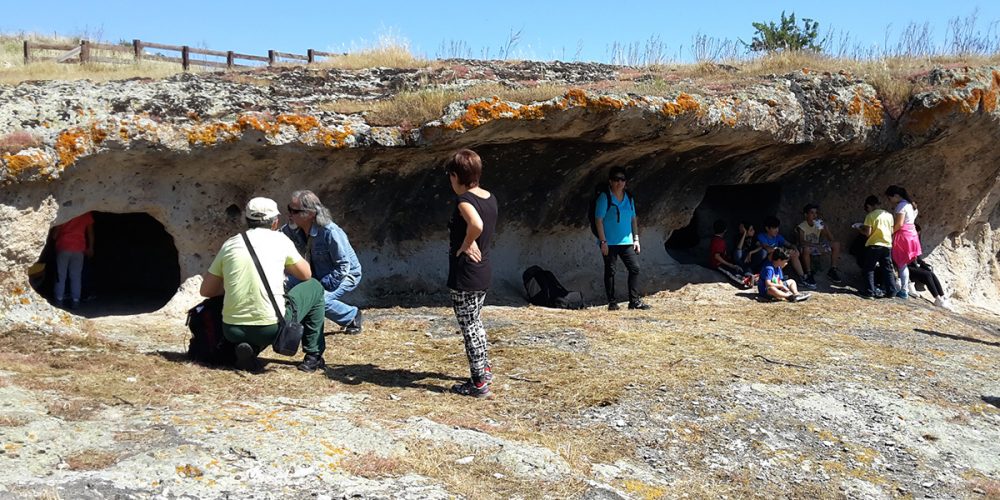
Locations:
(772, 37)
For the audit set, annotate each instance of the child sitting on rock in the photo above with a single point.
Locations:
(773, 285)
(771, 240)
(718, 258)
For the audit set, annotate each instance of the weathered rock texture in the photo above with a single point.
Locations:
(191, 150)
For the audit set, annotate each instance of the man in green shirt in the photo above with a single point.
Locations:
(878, 228)
(248, 317)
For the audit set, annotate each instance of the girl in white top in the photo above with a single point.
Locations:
(905, 242)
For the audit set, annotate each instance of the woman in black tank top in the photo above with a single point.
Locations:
(470, 235)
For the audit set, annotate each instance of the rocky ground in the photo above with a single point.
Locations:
(709, 394)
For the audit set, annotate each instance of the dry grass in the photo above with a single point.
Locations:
(371, 466)
(388, 51)
(411, 109)
(91, 460)
(10, 421)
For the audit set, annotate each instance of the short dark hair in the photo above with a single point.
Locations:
(615, 171)
(779, 254)
(467, 166)
(771, 221)
(900, 191)
(808, 207)
(719, 226)
(871, 201)
(256, 223)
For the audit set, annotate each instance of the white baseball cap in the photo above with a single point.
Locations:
(262, 209)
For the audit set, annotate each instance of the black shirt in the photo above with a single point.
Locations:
(463, 274)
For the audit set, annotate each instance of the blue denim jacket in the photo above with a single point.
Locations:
(333, 261)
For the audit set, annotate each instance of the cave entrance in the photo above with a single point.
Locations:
(731, 203)
(134, 269)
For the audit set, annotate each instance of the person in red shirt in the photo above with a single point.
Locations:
(74, 240)
(718, 260)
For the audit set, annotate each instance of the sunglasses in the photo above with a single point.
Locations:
(294, 211)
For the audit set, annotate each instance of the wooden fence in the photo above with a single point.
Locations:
(84, 53)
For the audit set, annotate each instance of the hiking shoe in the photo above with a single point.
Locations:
(834, 275)
(311, 363)
(809, 282)
(470, 389)
(613, 306)
(488, 374)
(902, 294)
(639, 305)
(246, 358)
(867, 296)
(879, 293)
(354, 327)
(799, 297)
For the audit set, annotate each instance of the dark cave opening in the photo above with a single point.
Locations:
(749, 203)
(134, 268)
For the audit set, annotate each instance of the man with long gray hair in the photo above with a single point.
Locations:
(326, 247)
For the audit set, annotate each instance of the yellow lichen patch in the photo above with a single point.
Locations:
(684, 103)
(302, 123)
(188, 470)
(643, 490)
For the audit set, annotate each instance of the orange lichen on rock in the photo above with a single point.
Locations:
(257, 122)
(210, 133)
(335, 138)
(25, 160)
(684, 103)
(870, 109)
(70, 145)
(302, 123)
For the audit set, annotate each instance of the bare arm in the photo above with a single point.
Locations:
(898, 222)
(635, 233)
(211, 285)
(299, 270)
(474, 228)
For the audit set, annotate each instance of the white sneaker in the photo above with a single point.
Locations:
(913, 289)
(944, 303)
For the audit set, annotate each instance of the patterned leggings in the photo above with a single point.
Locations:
(468, 306)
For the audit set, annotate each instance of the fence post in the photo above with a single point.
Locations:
(84, 51)
(137, 49)
(229, 59)
(271, 58)
(185, 57)
(27, 52)
(310, 56)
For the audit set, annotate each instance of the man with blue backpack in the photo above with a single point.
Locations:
(617, 229)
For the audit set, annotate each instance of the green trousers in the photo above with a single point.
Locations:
(303, 303)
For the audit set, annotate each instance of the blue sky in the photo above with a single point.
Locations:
(584, 30)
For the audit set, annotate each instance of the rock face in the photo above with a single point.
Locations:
(190, 150)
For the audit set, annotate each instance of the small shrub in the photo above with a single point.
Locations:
(91, 460)
(370, 466)
(18, 141)
(786, 36)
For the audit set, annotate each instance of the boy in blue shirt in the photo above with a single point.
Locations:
(771, 240)
(773, 285)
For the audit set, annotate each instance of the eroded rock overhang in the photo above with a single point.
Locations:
(189, 149)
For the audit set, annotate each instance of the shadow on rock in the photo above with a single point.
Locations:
(992, 400)
(956, 337)
(371, 374)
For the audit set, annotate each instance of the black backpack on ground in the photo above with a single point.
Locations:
(207, 344)
(604, 189)
(543, 289)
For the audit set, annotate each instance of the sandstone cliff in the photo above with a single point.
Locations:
(190, 150)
